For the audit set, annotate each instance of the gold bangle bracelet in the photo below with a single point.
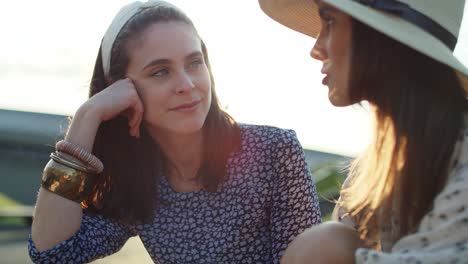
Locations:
(70, 183)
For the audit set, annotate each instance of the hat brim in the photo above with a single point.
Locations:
(302, 16)
(299, 15)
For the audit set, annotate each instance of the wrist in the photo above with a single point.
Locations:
(84, 126)
(89, 112)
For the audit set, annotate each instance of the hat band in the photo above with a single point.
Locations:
(413, 16)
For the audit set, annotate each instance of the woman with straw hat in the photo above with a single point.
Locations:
(406, 197)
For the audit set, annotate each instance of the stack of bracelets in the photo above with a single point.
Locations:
(71, 172)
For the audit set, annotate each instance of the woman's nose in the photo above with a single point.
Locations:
(185, 83)
(318, 52)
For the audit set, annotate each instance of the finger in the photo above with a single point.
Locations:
(136, 113)
(136, 118)
(132, 123)
(140, 112)
(136, 128)
(132, 117)
(136, 109)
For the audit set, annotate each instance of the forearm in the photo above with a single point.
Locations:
(83, 127)
(56, 218)
(331, 242)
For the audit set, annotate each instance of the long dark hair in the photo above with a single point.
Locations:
(418, 105)
(126, 187)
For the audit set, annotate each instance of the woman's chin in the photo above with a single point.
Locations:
(188, 127)
(338, 99)
(338, 102)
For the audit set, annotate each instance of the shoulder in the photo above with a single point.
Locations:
(266, 134)
(266, 144)
(459, 164)
(263, 144)
(449, 206)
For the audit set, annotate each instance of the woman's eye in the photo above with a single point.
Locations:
(327, 21)
(161, 73)
(195, 64)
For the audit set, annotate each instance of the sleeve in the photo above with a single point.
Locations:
(442, 236)
(97, 237)
(295, 204)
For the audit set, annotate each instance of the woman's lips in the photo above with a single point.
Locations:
(187, 107)
(325, 80)
(325, 70)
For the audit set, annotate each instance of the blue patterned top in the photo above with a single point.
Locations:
(267, 199)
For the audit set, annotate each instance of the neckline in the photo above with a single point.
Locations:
(167, 186)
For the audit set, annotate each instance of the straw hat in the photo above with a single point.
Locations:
(428, 26)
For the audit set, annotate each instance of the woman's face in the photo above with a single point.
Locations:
(171, 77)
(333, 49)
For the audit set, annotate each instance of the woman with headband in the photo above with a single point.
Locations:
(406, 197)
(151, 153)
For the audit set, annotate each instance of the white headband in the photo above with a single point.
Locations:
(122, 17)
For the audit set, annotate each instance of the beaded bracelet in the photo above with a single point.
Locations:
(81, 154)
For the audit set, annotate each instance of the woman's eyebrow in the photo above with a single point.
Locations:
(194, 55)
(156, 62)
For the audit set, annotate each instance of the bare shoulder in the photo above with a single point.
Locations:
(331, 242)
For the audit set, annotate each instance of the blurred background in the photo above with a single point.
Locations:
(263, 74)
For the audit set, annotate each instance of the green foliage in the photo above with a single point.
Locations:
(6, 201)
(328, 180)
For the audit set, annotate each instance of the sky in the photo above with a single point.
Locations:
(263, 71)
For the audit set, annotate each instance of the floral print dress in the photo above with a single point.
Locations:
(268, 199)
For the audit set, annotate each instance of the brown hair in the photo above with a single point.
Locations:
(126, 187)
(418, 105)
